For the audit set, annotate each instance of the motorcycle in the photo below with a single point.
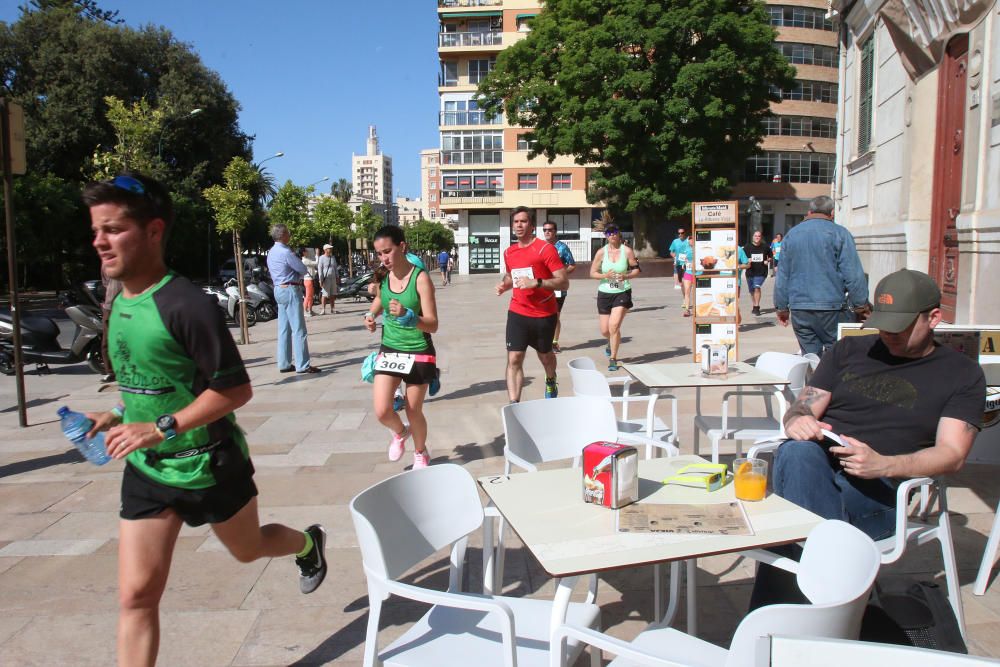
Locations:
(228, 298)
(40, 338)
(357, 287)
(261, 293)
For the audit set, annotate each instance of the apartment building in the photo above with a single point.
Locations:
(409, 210)
(797, 159)
(483, 171)
(430, 182)
(372, 172)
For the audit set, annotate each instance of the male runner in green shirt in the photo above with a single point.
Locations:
(181, 379)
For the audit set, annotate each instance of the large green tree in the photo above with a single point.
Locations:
(429, 236)
(663, 98)
(60, 60)
(290, 207)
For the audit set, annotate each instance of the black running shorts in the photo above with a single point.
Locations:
(421, 373)
(607, 300)
(524, 332)
(143, 498)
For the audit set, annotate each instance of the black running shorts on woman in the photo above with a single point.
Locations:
(524, 332)
(608, 300)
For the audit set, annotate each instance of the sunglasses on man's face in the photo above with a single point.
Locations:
(611, 233)
(548, 229)
(128, 184)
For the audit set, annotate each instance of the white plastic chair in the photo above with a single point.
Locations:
(836, 572)
(989, 557)
(790, 367)
(915, 528)
(558, 429)
(798, 651)
(410, 517)
(588, 381)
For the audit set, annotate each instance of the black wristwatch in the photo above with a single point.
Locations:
(538, 284)
(167, 426)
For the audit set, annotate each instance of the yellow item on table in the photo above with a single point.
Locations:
(712, 476)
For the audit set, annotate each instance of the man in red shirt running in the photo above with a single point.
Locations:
(534, 271)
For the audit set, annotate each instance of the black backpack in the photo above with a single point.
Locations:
(912, 613)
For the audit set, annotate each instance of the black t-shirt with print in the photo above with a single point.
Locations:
(894, 404)
(758, 256)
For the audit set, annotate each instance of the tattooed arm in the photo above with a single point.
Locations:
(802, 418)
(951, 446)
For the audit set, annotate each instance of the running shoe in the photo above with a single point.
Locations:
(687, 312)
(612, 365)
(677, 286)
(398, 402)
(551, 388)
(607, 351)
(421, 460)
(398, 443)
(756, 311)
(312, 566)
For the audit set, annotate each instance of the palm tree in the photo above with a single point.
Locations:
(342, 189)
(263, 189)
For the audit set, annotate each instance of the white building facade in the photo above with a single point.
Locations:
(918, 169)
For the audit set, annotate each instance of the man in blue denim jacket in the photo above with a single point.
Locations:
(820, 280)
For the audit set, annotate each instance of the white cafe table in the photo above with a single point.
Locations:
(665, 377)
(673, 375)
(570, 537)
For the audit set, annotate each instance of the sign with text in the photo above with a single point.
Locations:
(714, 213)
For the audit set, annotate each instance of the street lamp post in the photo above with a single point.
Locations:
(325, 178)
(159, 146)
(278, 154)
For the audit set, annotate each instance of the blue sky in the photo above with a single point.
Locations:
(311, 75)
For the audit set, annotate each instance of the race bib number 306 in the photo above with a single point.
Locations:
(394, 363)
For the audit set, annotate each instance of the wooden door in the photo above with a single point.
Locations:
(948, 158)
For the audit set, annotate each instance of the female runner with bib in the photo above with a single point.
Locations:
(405, 297)
(614, 265)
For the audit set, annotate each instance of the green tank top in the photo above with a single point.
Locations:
(407, 339)
(621, 266)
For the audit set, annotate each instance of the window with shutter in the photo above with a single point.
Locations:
(867, 80)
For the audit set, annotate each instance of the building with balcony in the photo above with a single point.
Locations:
(372, 173)
(798, 155)
(481, 171)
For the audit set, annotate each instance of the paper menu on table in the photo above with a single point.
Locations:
(715, 296)
(727, 518)
(715, 249)
(715, 334)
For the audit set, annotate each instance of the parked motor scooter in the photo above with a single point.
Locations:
(253, 300)
(40, 338)
(229, 301)
(357, 287)
(261, 292)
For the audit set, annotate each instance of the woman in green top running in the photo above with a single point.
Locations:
(405, 295)
(614, 265)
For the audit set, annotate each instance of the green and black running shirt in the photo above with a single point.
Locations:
(167, 346)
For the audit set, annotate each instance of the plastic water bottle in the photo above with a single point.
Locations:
(75, 427)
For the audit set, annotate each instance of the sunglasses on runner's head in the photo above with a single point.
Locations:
(128, 184)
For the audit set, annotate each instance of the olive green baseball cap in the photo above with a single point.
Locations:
(899, 298)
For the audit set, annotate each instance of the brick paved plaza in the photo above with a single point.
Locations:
(315, 444)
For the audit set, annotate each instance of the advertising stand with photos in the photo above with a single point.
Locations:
(714, 238)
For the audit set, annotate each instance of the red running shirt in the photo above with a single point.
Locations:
(543, 261)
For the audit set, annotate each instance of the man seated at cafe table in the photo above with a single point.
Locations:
(904, 407)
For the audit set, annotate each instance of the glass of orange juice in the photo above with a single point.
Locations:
(750, 479)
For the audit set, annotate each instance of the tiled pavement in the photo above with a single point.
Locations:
(315, 444)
